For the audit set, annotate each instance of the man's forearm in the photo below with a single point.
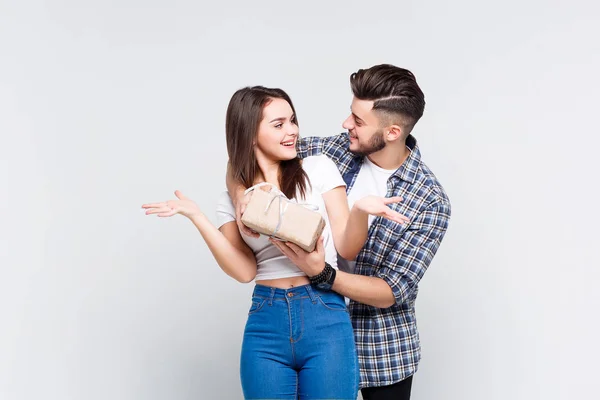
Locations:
(364, 289)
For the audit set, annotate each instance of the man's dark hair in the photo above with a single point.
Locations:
(394, 91)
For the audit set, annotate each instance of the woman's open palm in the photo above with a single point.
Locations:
(183, 205)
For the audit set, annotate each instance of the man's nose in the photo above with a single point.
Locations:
(348, 123)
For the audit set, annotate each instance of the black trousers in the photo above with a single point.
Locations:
(397, 391)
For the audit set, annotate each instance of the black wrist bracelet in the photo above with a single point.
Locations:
(319, 277)
(323, 276)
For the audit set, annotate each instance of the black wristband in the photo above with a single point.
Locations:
(324, 276)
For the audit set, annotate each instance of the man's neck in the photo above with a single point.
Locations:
(390, 157)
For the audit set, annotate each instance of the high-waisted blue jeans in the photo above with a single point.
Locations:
(298, 344)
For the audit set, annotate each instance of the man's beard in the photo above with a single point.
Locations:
(375, 144)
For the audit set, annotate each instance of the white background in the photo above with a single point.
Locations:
(105, 105)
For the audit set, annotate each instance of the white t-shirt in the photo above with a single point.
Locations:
(271, 264)
(371, 180)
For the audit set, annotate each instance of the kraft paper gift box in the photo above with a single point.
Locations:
(272, 214)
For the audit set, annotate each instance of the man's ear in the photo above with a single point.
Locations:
(393, 133)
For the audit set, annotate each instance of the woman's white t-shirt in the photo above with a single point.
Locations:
(271, 263)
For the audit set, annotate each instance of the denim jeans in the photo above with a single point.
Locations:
(298, 344)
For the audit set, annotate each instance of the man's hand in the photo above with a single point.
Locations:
(240, 202)
(310, 263)
(378, 206)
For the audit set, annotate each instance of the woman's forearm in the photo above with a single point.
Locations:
(349, 228)
(237, 263)
(354, 234)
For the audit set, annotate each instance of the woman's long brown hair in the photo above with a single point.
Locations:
(244, 114)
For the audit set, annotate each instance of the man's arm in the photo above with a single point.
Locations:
(335, 147)
(364, 289)
(402, 270)
(236, 192)
(413, 252)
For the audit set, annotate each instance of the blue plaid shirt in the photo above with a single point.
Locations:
(387, 339)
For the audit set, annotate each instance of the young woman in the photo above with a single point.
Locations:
(298, 341)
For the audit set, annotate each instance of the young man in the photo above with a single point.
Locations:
(379, 156)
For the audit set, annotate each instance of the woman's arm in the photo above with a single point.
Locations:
(348, 228)
(232, 254)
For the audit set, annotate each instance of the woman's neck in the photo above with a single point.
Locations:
(268, 170)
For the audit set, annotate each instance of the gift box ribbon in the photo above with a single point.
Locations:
(283, 204)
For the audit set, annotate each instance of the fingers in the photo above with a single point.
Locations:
(247, 231)
(158, 210)
(390, 200)
(241, 199)
(320, 245)
(154, 205)
(161, 209)
(391, 214)
(169, 213)
(243, 202)
(276, 244)
(162, 204)
(167, 203)
(396, 216)
(180, 195)
(283, 248)
(239, 211)
(165, 208)
(295, 248)
(243, 228)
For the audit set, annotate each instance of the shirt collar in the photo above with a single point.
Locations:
(408, 170)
